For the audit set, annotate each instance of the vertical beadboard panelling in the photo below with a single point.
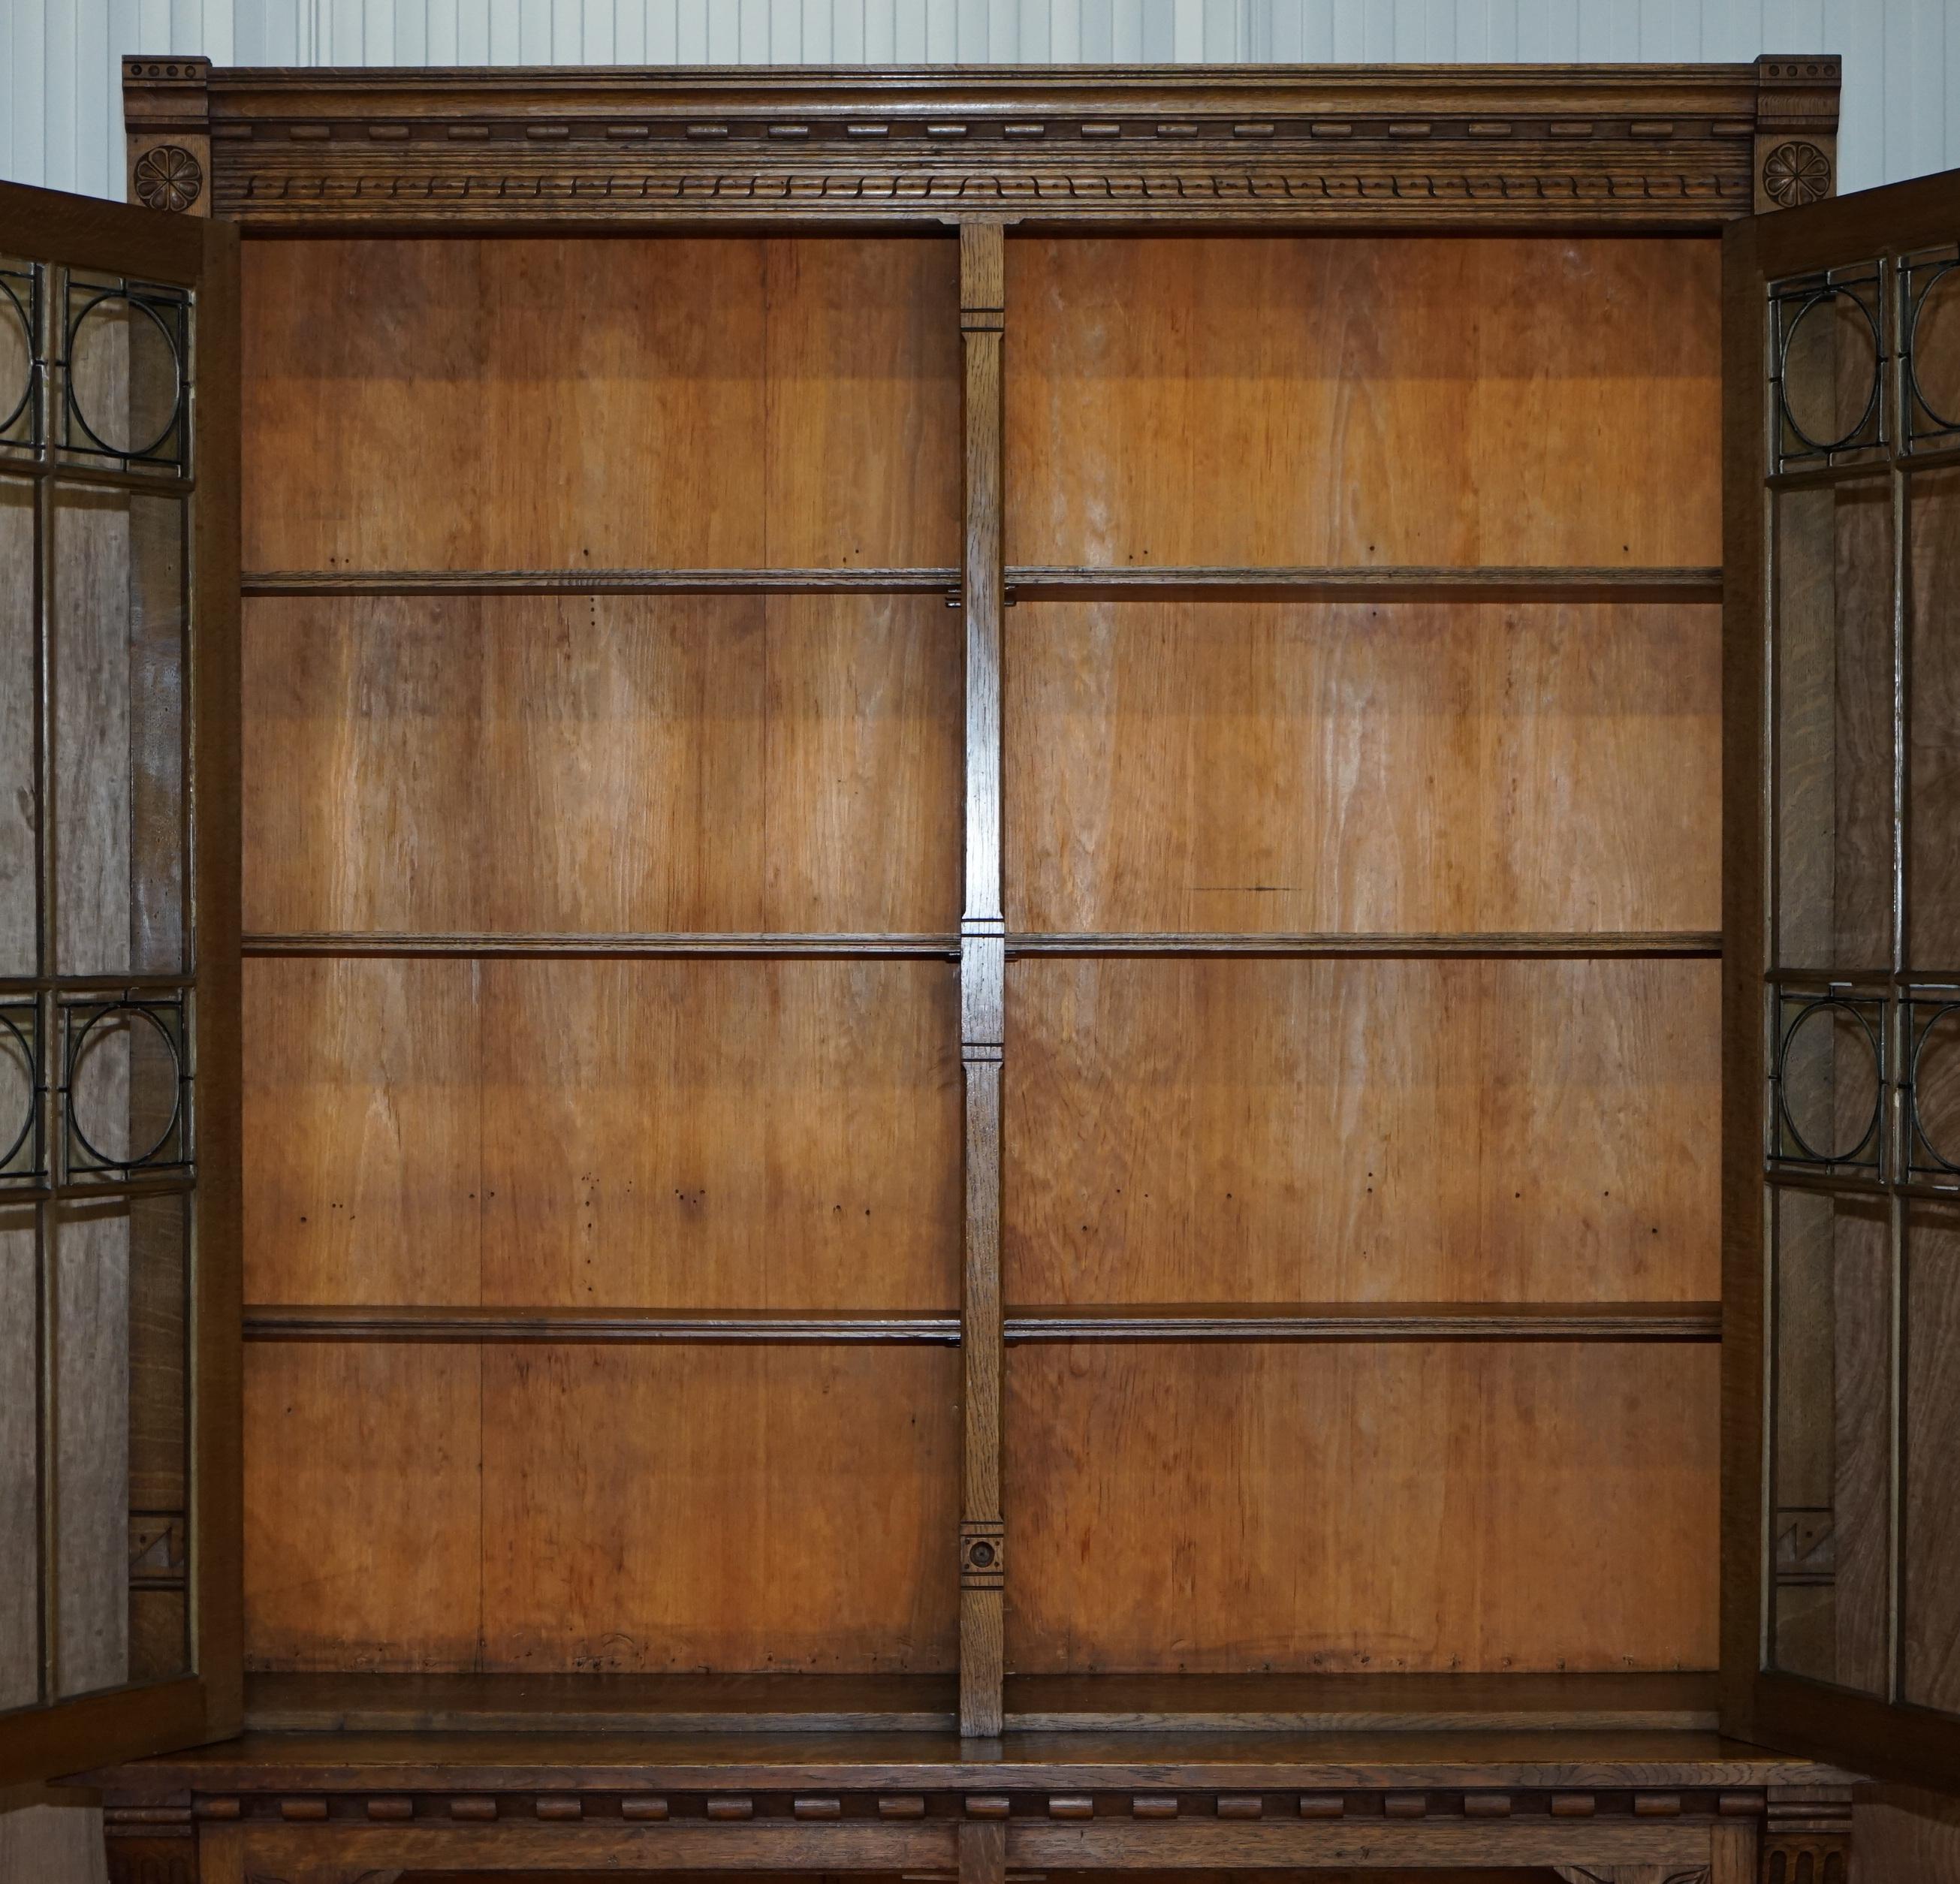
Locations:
(87, 87)
(1850, 26)
(60, 92)
(411, 33)
(27, 37)
(1950, 91)
(58, 99)
(1897, 121)
(1929, 106)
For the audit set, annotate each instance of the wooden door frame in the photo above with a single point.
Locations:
(1880, 1733)
(40, 1742)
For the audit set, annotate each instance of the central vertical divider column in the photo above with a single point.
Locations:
(982, 986)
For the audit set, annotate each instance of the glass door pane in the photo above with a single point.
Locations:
(113, 1227)
(1845, 526)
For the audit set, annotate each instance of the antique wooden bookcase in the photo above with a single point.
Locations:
(981, 964)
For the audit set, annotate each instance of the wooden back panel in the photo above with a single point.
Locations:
(1363, 400)
(487, 1130)
(523, 1509)
(604, 1134)
(1387, 1507)
(541, 1129)
(727, 402)
(1362, 1132)
(1433, 772)
(603, 765)
(1411, 767)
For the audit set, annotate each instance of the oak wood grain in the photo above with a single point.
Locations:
(1359, 1703)
(1929, 1618)
(398, 945)
(1214, 1321)
(339, 1322)
(1378, 1844)
(1573, 944)
(19, 1461)
(586, 1701)
(363, 1124)
(1203, 1508)
(745, 1135)
(1035, 1704)
(861, 366)
(1547, 582)
(1254, 767)
(1905, 1832)
(95, 720)
(355, 1853)
(739, 379)
(363, 763)
(678, 1509)
(1932, 781)
(1352, 1321)
(1832, 1524)
(603, 765)
(1329, 1130)
(161, 1378)
(720, 1134)
(364, 1528)
(1313, 400)
(88, 1301)
(1154, 1760)
(1833, 786)
(588, 581)
(20, 874)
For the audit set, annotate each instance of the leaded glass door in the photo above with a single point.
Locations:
(1841, 1623)
(119, 952)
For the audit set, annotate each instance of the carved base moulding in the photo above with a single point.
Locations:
(1587, 1836)
(1645, 147)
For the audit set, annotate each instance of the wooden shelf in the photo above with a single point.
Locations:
(1204, 584)
(1372, 1321)
(1035, 1704)
(357, 943)
(586, 1326)
(1359, 1703)
(1029, 583)
(301, 1757)
(1566, 944)
(600, 1703)
(1572, 944)
(262, 582)
(1208, 1321)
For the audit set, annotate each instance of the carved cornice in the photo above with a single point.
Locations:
(1796, 130)
(1668, 147)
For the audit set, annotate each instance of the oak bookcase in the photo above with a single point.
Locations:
(983, 914)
